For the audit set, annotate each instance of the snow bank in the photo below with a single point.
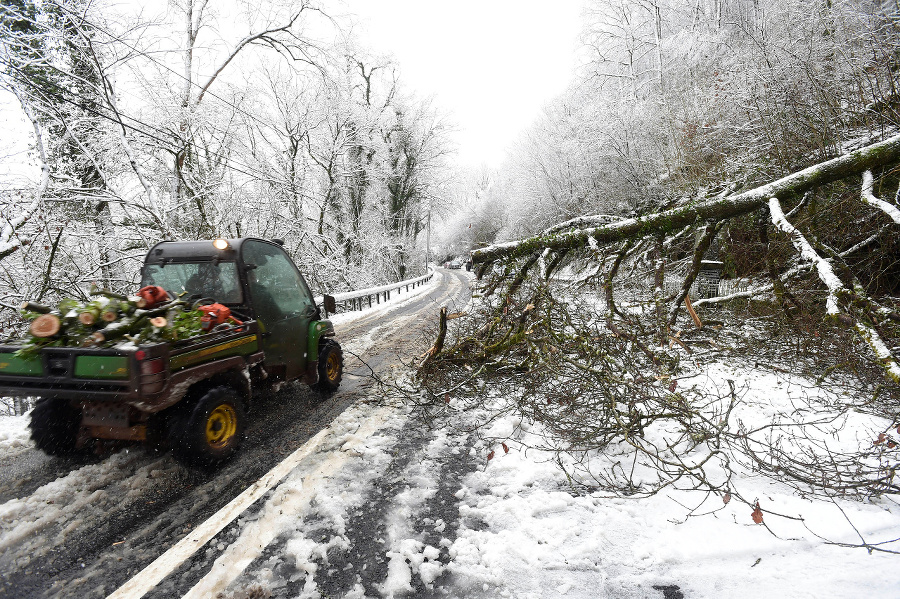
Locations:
(14, 435)
(525, 533)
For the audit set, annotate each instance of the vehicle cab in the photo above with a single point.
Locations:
(256, 279)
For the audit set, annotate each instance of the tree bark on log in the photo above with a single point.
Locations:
(852, 164)
(438, 346)
(35, 307)
(712, 229)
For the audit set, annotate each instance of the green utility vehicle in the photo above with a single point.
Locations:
(190, 395)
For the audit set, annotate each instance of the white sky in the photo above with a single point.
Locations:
(490, 64)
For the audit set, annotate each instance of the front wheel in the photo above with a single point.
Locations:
(331, 367)
(208, 432)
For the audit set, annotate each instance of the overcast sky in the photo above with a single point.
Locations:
(490, 64)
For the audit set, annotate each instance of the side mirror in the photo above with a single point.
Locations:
(330, 304)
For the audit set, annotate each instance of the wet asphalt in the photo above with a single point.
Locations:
(129, 520)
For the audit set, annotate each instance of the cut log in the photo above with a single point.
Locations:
(89, 317)
(45, 325)
(687, 304)
(35, 307)
(119, 329)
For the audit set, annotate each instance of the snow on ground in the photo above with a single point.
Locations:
(32, 526)
(535, 539)
(318, 487)
(14, 435)
(521, 532)
(376, 496)
(398, 299)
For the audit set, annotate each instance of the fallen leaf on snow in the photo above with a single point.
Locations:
(757, 514)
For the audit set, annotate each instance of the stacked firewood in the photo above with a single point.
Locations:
(108, 319)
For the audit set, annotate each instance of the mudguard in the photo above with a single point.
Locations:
(317, 330)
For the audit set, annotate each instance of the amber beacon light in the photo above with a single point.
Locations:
(221, 244)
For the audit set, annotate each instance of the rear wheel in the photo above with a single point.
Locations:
(208, 432)
(331, 367)
(54, 426)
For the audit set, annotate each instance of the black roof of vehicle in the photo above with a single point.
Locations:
(197, 251)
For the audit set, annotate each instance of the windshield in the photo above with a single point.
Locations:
(218, 281)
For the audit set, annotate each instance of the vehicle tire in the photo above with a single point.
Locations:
(331, 367)
(208, 431)
(54, 426)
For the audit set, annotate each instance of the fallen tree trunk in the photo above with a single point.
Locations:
(852, 164)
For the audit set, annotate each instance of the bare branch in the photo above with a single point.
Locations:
(836, 289)
(869, 198)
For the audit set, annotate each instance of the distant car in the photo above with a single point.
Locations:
(457, 263)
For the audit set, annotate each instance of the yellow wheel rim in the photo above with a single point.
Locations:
(221, 426)
(332, 366)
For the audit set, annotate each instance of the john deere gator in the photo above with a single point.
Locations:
(191, 395)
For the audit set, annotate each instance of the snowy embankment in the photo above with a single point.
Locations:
(14, 435)
(386, 306)
(540, 540)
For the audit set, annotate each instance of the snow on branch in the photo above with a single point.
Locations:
(807, 252)
(875, 155)
(9, 240)
(155, 205)
(581, 222)
(869, 198)
(835, 289)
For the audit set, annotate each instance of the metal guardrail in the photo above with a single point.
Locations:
(707, 288)
(349, 301)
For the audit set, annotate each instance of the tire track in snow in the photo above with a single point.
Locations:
(391, 533)
(100, 542)
(288, 497)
